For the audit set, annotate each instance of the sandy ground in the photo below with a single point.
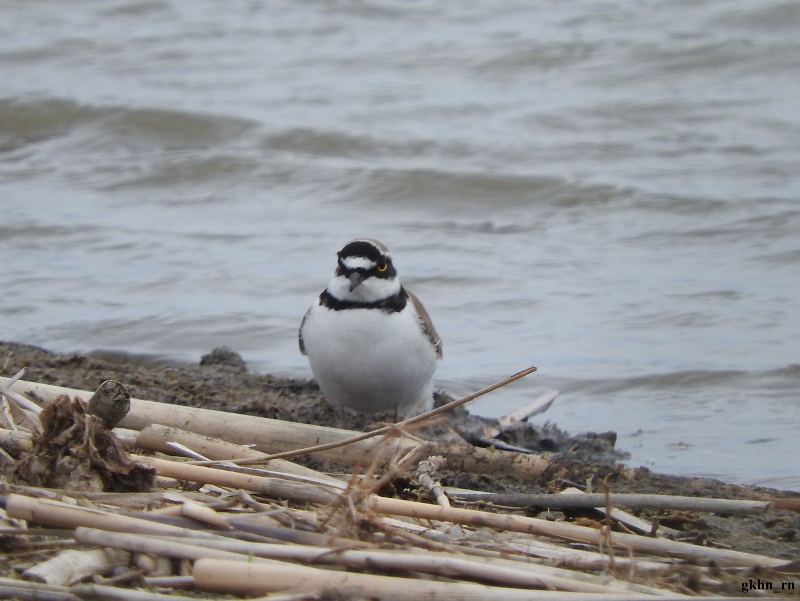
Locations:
(221, 381)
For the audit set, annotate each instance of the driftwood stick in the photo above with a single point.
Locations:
(98, 592)
(35, 591)
(469, 398)
(174, 582)
(579, 559)
(156, 437)
(70, 567)
(633, 523)
(630, 501)
(275, 436)
(204, 514)
(20, 594)
(425, 474)
(292, 597)
(239, 577)
(538, 405)
(55, 513)
(154, 546)
(18, 399)
(283, 489)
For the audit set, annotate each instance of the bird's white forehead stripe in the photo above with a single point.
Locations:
(358, 262)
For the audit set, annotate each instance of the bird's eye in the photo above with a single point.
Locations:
(383, 266)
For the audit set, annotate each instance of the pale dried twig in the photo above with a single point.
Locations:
(425, 475)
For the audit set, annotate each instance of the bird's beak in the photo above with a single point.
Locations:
(355, 280)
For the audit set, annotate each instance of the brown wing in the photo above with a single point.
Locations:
(426, 323)
(300, 333)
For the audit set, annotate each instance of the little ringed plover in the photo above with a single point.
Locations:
(371, 344)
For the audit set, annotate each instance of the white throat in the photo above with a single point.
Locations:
(370, 290)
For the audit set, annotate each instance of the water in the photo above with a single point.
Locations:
(607, 190)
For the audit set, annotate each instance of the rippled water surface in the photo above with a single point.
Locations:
(607, 190)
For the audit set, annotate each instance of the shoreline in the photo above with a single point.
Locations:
(221, 381)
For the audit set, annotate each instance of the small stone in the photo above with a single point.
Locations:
(224, 355)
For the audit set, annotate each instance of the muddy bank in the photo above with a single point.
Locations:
(221, 381)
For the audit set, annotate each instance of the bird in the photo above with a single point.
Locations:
(370, 342)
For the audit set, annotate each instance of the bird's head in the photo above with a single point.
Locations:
(364, 273)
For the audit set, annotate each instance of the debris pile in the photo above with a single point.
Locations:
(181, 501)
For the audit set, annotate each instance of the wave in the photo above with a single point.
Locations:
(24, 122)
(780, 378)
(489, 190)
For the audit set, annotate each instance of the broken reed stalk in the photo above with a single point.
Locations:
(538, 405)
(628, 501)
(62, 515)
(20, 400)
(579, 559)
(19, 589)
(240, 577)
(99, 592)
(398, 427)
(12, 588)
(155, 546)
(72, 566)
(156, 437)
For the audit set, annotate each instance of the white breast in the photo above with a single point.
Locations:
(370, 360)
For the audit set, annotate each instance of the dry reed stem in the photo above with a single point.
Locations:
(204, 514)
(575, 559)
(239, 577)
(276, 487)
(15, 589)
(98, 592)
(425, 476)
(69, 567)
(629, 501)
(55, 513)
(21, 401)
(538, 405)
(155, 546)
(156, 438)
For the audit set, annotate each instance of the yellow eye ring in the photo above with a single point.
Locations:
(383, 266)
